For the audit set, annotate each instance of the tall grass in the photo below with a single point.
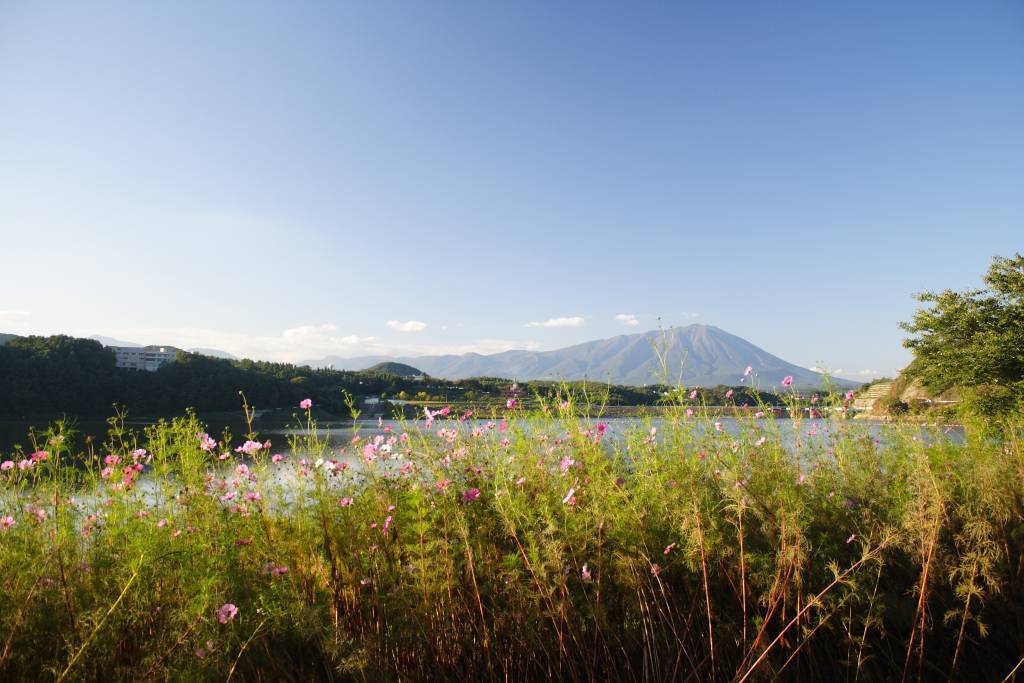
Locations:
(532, 544)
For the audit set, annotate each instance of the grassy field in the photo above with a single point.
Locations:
(525, 548)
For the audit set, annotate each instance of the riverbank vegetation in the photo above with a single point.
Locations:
(527, 544)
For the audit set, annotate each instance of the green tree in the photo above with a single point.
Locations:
(973, 338)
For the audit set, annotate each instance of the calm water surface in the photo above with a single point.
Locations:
(339, 434)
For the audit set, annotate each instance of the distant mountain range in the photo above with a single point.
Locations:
(700, 355)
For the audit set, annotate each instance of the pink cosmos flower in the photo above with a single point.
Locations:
(276, 458)
(689, 412)
(387, 525)
(162, 523)
(249, 447)
(226, 613)
(693, 394)
(787, 380)
(306, 404)
(24, 464)
(205, 442)
(511, 403)
(746, 373)
(849, 395)
(470, 495)
(6, 522)
(112, 459)
(520, 481)
(655, 569)
(728, 394)
(346, 501)
(40, 456)
(669, 548)
(7, 465)
(760, 442)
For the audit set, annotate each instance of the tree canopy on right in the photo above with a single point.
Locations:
(975, 338)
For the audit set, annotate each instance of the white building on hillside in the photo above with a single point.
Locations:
(150, 358)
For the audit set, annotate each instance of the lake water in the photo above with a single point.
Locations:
(340, 433)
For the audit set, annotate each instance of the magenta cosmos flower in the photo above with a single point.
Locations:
(306, 404)
(226, 613)
(787, 380)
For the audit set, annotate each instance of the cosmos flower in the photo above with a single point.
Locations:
(226, 613)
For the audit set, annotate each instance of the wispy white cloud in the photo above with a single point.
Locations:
(627, 319)
(574, 321)
(690, 314)
(304, 343)
(407, 326)
(14, 316)
(869, 373)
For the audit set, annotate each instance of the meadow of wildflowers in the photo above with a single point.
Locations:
(524, 544)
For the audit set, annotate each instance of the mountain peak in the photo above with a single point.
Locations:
(697, 354)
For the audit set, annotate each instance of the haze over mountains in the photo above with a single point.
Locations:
(695, 355)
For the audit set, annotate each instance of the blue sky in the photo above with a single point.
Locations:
(281, 180)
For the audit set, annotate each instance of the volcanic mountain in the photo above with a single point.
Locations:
(700, 355)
